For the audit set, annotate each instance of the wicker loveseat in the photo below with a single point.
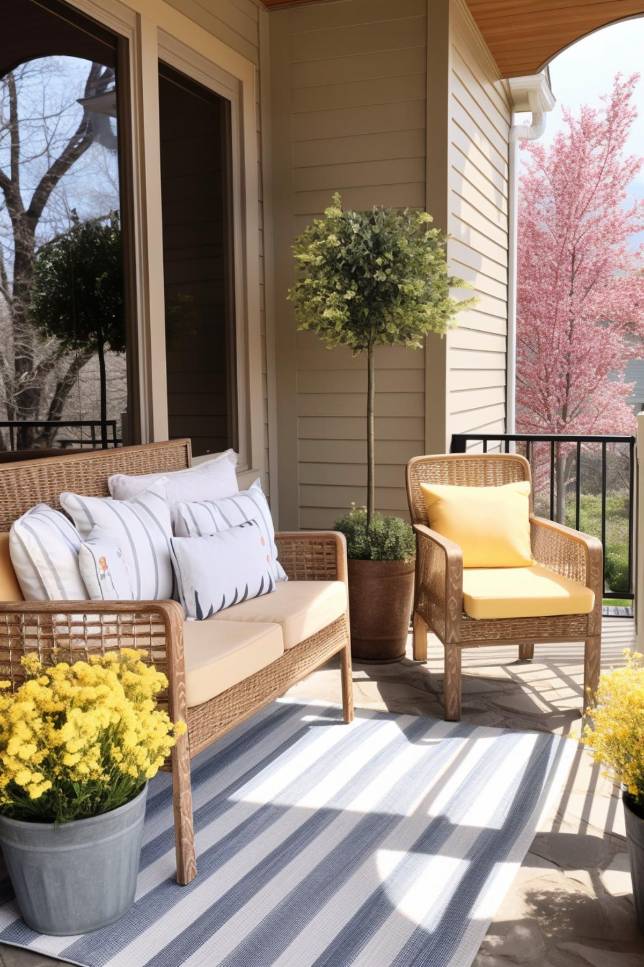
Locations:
(219, 671)
(439, 594)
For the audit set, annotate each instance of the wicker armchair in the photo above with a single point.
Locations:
(69, 630)
(438, 603)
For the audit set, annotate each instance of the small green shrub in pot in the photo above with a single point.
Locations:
(384, 539)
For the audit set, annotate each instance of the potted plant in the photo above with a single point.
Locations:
(616, 736)
(78, 744)
(367, 279)
(381, 583)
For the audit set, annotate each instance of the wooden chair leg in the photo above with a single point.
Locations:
(420, 638)
(347, 683)
(592, 661)
(452, 683)
(526, 652)
(182, 801)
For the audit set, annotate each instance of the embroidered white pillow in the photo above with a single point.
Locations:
(207, 481)
(44, 545)
(103, 567)
(221, 570)
(141, 528)
(203, 517)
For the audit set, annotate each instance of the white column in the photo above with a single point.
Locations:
(638, 496)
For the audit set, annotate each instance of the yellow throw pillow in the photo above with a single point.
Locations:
(490, 524)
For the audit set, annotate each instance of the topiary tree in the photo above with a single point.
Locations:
(373, 278)
(77, 292)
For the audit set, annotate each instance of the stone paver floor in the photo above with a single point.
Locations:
(571, 902)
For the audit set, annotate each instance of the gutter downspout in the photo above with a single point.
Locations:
(531, 94)
(518, 133)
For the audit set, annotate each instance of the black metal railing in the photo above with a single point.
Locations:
(93, 434)
(610, 467)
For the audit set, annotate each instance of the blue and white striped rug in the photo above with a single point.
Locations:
(391, 841)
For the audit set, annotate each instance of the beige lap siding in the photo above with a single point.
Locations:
(479, 125)
(348, 83)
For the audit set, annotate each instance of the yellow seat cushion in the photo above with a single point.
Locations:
(301, 608)
(219, 655)
(491, 525)
(9, 587)
(522, 592)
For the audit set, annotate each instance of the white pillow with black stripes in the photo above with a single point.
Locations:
(140, 527)
(221, 570)
(44, 545)
(199, 518)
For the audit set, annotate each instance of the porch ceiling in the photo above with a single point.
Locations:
(524, 34)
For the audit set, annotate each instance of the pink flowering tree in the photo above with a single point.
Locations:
(580, 298)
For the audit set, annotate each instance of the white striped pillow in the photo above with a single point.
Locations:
(140, 527)
(44, 545)
(103, 568)
(201, 518)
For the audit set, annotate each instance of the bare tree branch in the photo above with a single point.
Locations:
(77, 145)
(66, 382)
(14, 130)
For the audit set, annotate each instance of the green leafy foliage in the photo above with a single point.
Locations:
(77, 291)
(617, 567)
(616, 549)
(384, 539)
(376, 277)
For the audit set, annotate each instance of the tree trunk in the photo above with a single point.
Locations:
(561, 475)
(371, 432)
(64, 386)
(100, 348)
(26, 394)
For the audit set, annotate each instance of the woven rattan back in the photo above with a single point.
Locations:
(34, 481)
(462, 470)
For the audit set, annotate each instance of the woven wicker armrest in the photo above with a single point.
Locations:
(72, 630)
(568, 552)
(313, 555)
(439, 581)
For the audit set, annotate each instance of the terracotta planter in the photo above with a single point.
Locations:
(635, 840)
(380, 601)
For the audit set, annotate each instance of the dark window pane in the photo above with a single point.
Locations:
(195, 180)
(62, 307)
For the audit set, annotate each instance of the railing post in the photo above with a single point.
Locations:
(638, 604)
(458, 444)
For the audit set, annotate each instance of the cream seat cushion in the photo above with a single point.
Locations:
(522, 592)
(218, 656)
(9, 587)
(302, 608)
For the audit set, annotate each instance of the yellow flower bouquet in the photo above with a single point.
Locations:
(616, 738)
(616, 735)
(78, 740)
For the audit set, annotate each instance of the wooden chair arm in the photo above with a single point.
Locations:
(439, 582)
(313, 555)
(71, 630)
(572, 554)
(569, 552)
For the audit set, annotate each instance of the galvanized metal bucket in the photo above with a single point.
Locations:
(75, 877)
(635, 840)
